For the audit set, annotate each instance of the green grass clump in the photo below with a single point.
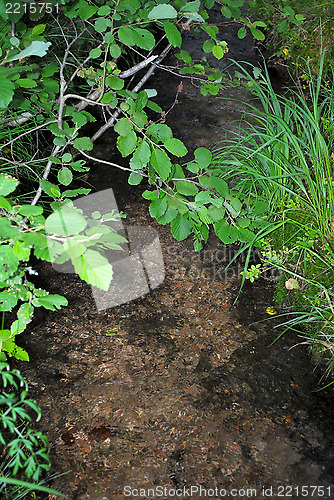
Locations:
(285, 157)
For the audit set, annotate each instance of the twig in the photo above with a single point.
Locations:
(45, 175)
(27, 132)
(139, 85)
(105, 162)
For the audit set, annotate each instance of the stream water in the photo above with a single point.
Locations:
(179, 393)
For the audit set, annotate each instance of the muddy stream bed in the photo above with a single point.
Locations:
(179, 388)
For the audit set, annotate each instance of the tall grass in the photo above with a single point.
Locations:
(285, 156)
(286, 152)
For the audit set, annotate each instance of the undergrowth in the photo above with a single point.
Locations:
(285, 157)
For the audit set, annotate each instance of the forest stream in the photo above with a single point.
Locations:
(180, 391)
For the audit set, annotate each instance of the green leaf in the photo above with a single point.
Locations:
(220, 185)
(82, 9)
(50, 189)
(8, 262)
(5, 204)
(72, 193)
(211, 31)
(21, 354)
(176, 147)
(104, 10)
(216, 214)
(203, 156)
(59, 141)
(141, 100)
(49, 70)
(14, 41)
(209, 88)
(218, 51)
(66, 158)
(185, 57)
(65, 176)
(114, 82)
(226, 233)
(150, 195)
(94, 268)
(283, 26)
(260, 24)
(115, 50)
(178, 172)
(226, 11)
(5, 334)
(6, 93)
(38, 29)
(300, 17)
(101, 24)
(127, 36)
(84, 143)
(186, 188)
(144, 39)
(204, 216)
(127, 144)
(193, 167)
(208, 46)
(8, 300)
(30, 211)
(244, 222)
(123, 126)
(65, 222)
(36, 48)
(95, 53)
(158, 207)
(203, 197)
(135, 179)
(9, 346)
(260, 207)
(233, 205)
(160, 131)
(289, 11)
(109, 98)
(26, 83)
(180, 227)
(161, 163)
(163, 11)
(7, 184)
(24, 316)
(257, 34)
(242, 32)
(178, 204)
(168, 216)
(51, 302)
(141, 156)
(172, 33)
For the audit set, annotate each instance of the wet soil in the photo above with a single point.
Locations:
(180, 387)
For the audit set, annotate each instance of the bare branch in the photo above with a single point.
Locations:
(139, 85)
(19, 120)
(45, 175)
(27, 132)
(105, 162)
